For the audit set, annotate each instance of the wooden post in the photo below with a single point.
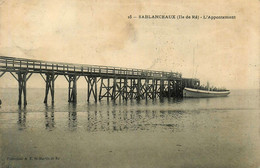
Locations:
(120, 89)
(138, 89)
(174, 88)
(52, 89)
(169, 88)
(22, 88)
(20, 85)
(100, 89)
(161, 88)
(153, 89)
(72, 88)
(131, 89)
(125, 87)
(114, 89)
(146, 88)
(108, 88)
(95, 96)
(50, 78)
(46, 88)
(156, 88)
(92, 87)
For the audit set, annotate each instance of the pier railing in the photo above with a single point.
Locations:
(11, 64)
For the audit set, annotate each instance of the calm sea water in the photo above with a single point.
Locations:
(186, 133)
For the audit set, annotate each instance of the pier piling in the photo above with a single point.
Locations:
(22, 88)
(49, 81)
(72, 90)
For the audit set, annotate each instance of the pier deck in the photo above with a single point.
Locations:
(103, 81)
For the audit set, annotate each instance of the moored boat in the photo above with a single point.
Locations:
(198, 93)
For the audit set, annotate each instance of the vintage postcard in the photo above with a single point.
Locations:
(129, 84)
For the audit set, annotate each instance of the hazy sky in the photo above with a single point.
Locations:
(224, 52)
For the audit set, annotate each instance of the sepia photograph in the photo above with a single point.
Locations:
(129, 84)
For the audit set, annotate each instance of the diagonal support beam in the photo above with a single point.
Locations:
(66, 78)
(105, 89)
(14, 76)
(2, 74)
(29, 77)
(43, 77)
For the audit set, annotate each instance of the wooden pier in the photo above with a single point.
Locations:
(107, 82)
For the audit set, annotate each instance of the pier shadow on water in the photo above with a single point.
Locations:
(104, 117)
(21, 118)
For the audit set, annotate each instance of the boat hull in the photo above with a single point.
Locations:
(196, 93)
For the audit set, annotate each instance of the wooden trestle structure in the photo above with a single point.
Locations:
(107, 82)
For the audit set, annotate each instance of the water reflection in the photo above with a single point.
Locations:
(72, 117)
(49, 117)
(129, 120)
(21, 118)
(114, 118)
